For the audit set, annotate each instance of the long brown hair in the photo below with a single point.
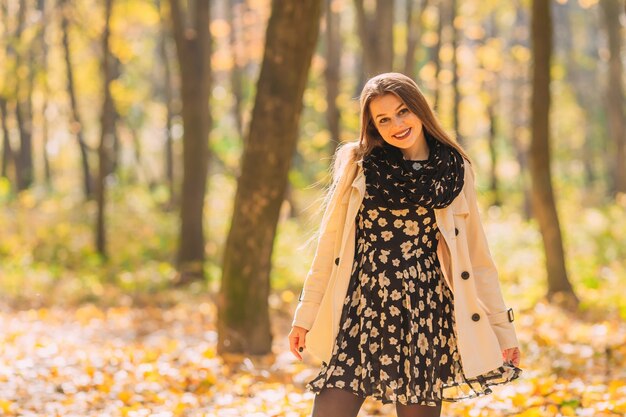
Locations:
(408, 91)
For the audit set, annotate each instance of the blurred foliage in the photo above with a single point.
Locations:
(47, 246)
(46, 253)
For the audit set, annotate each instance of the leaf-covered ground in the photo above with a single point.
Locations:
(123, 361)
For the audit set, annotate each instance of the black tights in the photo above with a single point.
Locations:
(336, 402)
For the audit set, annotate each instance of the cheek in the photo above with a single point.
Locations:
(380, 130)
(384, 133)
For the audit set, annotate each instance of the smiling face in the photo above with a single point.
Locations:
(396, 124)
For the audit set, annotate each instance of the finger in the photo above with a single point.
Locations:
(302, 342)
(294, 350)
(296, 347)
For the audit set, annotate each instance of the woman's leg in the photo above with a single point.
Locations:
(416, 410)
(336, 402)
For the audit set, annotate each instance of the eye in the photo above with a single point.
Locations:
(403, 111)
(383, 120)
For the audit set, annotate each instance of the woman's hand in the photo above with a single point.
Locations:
(511, 355)
(297, 337)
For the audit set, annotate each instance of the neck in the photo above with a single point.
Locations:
(418, 151)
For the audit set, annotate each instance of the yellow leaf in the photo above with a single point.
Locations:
(5, 406)
(519, 399)
(209, 353)
(531, 412)
(614, 386)
(552, 410)
(180, 409)
(125, 396)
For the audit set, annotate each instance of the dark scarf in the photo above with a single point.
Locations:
(398, 183)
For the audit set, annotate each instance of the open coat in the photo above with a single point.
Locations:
(483, 323)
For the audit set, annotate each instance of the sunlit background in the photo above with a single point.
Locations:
(125, 330)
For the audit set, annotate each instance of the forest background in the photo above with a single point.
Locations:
(163, 164)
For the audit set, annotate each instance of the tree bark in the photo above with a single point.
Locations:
(582, 76)
(519, 117)
(243, 316)
(7, 151)
(435, 57)
(544, 209)
(414, 19)
(76, 126)
(376, 33)
(193, 44)
(167, 99)
(331, 74)
(8, 156)
(42, 47)
(493, 154)
(23, 109)
(518, 121)
(615, 95)
(105, 148)
(491, 87)
(236, 73)
(455, 73)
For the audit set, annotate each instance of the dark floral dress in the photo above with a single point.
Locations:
(396, 340)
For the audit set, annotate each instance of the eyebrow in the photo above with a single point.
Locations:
(382, 114)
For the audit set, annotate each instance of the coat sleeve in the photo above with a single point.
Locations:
(317, 278)
(484, 269)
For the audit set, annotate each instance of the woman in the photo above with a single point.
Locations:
(402, 301)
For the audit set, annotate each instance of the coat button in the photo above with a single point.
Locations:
(465, 275)
(475, 316)
(336, 261)
(456, 231)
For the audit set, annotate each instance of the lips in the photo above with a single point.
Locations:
(403, 135)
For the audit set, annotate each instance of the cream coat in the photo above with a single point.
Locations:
(483, 324)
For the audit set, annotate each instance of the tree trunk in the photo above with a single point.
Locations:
(414, 19)
(455, 73)
(43, 45)
(583, 79)
(8, 157)
(544, 209)
(518, 122)
(193, 45)
(435, 57)
(7, 151)
(23, 109)
(615, 95)
(236, 73)
(412, 33)
(76, 126)
(141, 172)
(491, 87)
(331, 74)
(519, 117)
(168, 96)
(376, 33)
(243, 317)
(493, 155)
(105, 149)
